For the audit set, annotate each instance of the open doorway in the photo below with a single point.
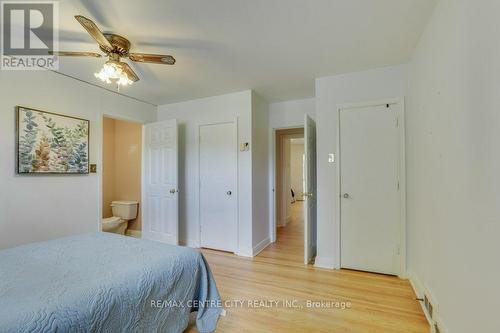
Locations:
(289, 193)
(121, 176)
(289, 172)
(294, 222)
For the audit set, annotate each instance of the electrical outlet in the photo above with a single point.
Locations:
(431, 310)
(429, 307)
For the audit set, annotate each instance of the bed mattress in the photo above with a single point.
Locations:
(105, 282)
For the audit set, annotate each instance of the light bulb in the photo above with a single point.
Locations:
(124, 81)
(112, 72)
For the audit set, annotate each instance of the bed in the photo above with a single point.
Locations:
(104, 282)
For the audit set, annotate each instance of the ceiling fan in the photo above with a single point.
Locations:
(115, 47)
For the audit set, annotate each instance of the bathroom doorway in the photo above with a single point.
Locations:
(121, 176)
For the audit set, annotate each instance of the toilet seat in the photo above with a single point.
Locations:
(123, 212)
(111, 221)
(114, 224)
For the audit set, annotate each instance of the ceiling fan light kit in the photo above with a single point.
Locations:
(115, 71)
(112, 72)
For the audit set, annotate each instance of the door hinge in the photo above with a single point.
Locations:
(398, 185)
(397, 122)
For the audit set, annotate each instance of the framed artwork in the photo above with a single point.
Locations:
(49, 143)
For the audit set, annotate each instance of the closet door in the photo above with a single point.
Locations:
(369, 181)
(218, 185)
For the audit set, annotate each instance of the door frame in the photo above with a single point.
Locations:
(299, 129)
(401, 174)
(100, 160)
(233, 121)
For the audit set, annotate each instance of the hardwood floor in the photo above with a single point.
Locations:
(289, 245)
(379, 303)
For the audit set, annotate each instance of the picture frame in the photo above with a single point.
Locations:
(51, 143)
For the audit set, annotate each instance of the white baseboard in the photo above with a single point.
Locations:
(192, 243)
(420, 290)
(244, 252)
(261, 246)
(442, 327)
(133, 233)
(324, 262)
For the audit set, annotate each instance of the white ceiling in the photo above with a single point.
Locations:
(276, 47)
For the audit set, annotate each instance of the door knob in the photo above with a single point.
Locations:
(308, 194)
(229, 192)
(346, 196)
(173, 190)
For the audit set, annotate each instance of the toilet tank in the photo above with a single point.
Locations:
(126, 210)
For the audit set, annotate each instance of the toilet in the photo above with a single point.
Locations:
(123, 211)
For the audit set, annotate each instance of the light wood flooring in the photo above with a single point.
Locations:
(379, 303)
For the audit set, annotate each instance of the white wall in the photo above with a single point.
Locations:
(34, 208)
(331, 91)
(291, 113)
(453, 159)
(190, 115)
(260, 177)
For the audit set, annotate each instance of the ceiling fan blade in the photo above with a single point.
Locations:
(152, 58)
(75, 54)
(97, 9)
(130, 73)
(94, 31)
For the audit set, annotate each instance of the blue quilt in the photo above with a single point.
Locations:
(105, 283)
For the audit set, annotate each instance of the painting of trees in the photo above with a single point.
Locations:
(51, 143)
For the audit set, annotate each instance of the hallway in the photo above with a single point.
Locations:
(289, 245)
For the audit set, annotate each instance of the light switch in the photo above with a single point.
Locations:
(245, 146)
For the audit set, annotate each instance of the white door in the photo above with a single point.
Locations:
(369, 188)
(160, 193)
(310, 189)
(218, 185)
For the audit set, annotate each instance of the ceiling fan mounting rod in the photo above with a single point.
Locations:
(114, 56)
(121, 45)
